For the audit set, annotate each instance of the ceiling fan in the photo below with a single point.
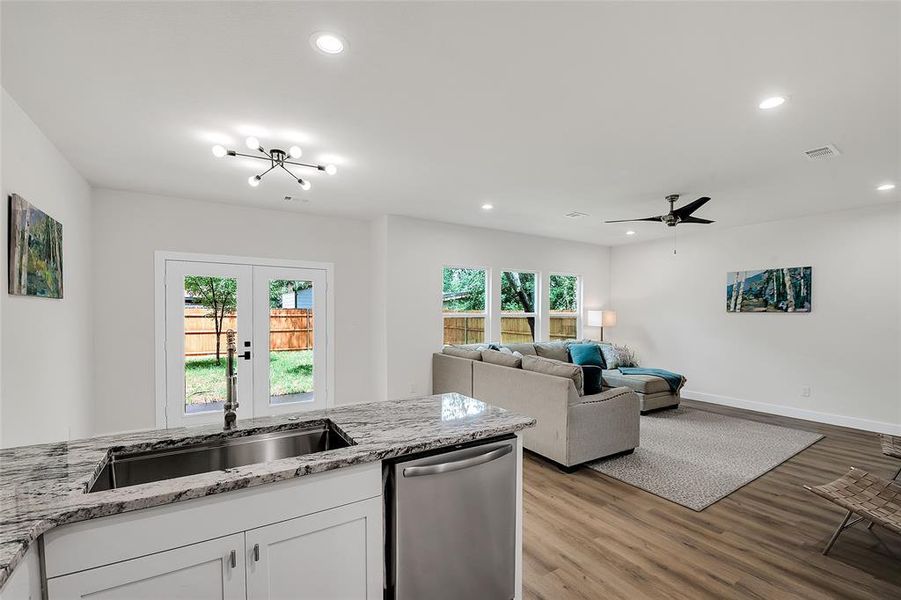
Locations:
(676, 215)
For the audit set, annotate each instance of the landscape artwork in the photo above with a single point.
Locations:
(769, 290)
(35, 251)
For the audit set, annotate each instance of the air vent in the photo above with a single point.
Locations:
(822, 153)
(576, 215)
(289, 198)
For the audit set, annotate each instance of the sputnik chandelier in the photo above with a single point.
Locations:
(276, 158)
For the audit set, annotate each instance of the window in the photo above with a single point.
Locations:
(464, 305)
(518, 309)
(563, 305)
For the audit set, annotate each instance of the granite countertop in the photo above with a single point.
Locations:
(43, 486)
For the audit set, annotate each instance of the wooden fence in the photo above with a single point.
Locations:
(471, 330)
(289, 329)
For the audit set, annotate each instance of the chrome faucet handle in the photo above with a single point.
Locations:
(231, 382)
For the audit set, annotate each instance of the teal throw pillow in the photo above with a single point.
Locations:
(586, 354)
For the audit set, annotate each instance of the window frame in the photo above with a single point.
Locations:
(578, 312)
(485, 315)
(537, 300)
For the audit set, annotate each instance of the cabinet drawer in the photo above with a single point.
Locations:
(211, 570)
(98, 542)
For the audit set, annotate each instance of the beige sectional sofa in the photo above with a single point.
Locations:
(572, 428)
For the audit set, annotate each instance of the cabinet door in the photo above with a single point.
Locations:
(210, 570)
(335, 554)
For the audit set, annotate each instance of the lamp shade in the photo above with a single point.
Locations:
(608, 318)
(595, 318)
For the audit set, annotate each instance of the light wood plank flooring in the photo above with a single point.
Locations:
(589, 536)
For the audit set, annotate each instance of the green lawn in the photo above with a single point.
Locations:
(289, 373)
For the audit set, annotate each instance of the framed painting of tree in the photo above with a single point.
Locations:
(35, 251)
(769, 290)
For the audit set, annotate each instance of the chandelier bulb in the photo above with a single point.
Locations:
(295, 152)
(254, 180)
(219, 151)
(331, 169)
(252, 143)
(304, 185)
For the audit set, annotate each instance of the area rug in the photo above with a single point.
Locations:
(694, 457)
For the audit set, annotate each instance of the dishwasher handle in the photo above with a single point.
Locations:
(457, 465)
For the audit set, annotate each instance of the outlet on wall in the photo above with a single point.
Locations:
(805, 391)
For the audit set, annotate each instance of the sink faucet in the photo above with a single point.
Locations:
(231, 383)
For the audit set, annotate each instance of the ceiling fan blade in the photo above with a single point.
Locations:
(658, 218)
(696, 220)
(691, 207)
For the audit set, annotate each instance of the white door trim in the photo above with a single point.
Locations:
(160, 258)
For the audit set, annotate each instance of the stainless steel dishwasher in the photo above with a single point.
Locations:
(452, 523)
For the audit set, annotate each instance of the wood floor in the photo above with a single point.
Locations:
(587, 535)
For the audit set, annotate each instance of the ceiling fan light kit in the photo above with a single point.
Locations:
(276, 158)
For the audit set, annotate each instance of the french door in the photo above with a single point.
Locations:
(279, 316)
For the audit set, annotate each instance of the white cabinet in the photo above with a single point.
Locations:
(333, 555)
(211, 570)
(311, 538)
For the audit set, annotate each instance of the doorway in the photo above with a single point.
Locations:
(280, 314)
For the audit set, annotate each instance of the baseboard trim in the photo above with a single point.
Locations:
(796, 413)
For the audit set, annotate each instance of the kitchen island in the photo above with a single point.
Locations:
(43, 494)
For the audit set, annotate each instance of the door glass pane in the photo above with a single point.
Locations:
(290, 341)
(464, 330)
(210, 311)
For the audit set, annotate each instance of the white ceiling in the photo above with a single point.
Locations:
(436, 108)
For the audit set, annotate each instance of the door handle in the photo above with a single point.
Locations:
(256, 553)
(457, 465)
(245, 355)
(233, 559)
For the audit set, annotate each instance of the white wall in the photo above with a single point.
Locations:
(46, 389)
(416, 252)
(130, 227)
(848, 349)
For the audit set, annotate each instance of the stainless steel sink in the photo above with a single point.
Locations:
(132, 468)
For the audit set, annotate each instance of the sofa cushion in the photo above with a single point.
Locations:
(586, 354)
(462, 352)
(505, 359)
(554, 350)
(617, 356)
(548, 366)
(644, 384)
(524, 349)
(591, 379)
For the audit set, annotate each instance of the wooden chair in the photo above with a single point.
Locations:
(868, 497)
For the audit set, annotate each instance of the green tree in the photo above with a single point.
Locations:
(217, 294)
(563, 293)
(464, 290)
(518, 294)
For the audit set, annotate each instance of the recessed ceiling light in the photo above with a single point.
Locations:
(772, 102)
(328, 43)
(487, 206)
(886, 187)
(630, 232)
